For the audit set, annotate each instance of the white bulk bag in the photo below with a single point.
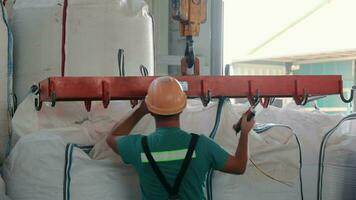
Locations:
(99, 121)
(310, 128)
(38, 169)
(76, 125)
(273, 171)
(337, 176)
(95, 31)
(5, 64)
(40, 156)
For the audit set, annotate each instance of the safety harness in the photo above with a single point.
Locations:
(173, 192)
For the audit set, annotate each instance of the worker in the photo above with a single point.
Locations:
(171, 163)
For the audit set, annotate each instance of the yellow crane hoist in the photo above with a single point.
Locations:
(190, 14)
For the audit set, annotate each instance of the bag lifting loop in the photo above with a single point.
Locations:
(304, 99)
(35, 90)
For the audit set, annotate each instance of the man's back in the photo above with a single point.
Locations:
(169, 147)
(165, 101)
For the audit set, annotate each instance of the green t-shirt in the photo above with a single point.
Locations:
(168, 147)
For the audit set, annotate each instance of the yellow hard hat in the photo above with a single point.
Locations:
(165, 96)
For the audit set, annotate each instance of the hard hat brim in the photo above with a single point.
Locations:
(166, 111)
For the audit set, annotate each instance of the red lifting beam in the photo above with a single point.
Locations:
(89, 89)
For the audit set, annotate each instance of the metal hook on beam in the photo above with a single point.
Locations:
(53, 99)
(301, 101)
(305, 99)
(205, 93)
(254, 99)
(265, 102)
(144, 72)
(205, 99)
(351, 94)
(105, 94)
(251, 98)
(87, 105)
(53, 96)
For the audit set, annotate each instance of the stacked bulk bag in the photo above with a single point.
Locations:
(45, 166)
(5, 80)
(273, 170)
(50, 162)
(310, 127)
(99, 121)
(79, 38)
(337, 163)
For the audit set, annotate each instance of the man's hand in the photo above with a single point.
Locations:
(237, 164)
(246, 125)
(143, 108)
(126, 124)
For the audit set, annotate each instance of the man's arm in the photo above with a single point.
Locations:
(237, 164)
(124, 126)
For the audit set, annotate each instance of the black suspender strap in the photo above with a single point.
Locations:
(173, 192)
(154, 165)
(185, 164)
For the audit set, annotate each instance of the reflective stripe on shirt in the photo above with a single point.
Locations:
(165, 156)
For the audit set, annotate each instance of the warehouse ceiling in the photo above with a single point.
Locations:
(327, 33)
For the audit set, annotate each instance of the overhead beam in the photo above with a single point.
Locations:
(105, 89)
